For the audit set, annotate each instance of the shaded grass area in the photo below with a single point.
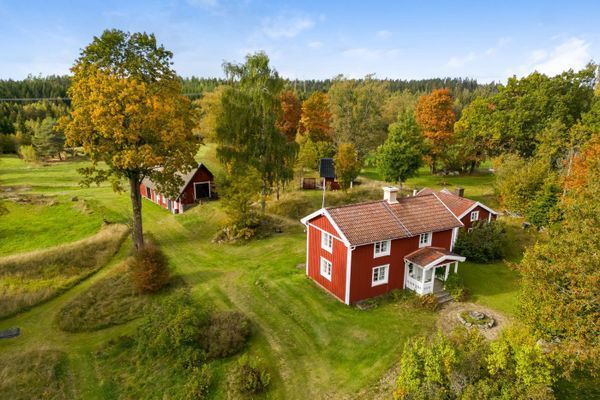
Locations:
(496, 285)
(30, 278)
(35, 374)
(112, 300)
(29, 227)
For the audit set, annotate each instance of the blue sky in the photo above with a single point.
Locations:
(486, 40)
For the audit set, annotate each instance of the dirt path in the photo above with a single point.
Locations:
(448, 319)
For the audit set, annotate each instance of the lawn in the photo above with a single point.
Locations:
(314, 346)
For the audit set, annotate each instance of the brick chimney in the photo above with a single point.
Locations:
(460, 192)
(390, 194)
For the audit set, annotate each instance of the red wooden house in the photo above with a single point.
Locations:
(198, 184)
(364, 250)
(467, 210)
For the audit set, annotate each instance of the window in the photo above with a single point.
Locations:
(326, 268)
(382, 248)
(474, 216)
(380, 275)
(425, 239)
(327, 241)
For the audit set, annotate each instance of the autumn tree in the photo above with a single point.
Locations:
(435, 115)
(396, 104)
(315, 121)
(401, 155)
(128, 114)
(560, 274)
(308, 156)
(209, 106)
(247, 132)
(291, 110)
(356, 107)
(347, 164)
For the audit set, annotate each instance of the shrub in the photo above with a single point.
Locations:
(8, 143)
(28, 153)
(225, 335)
(172, 331)
(402, 295)
(456, 287)
(427, 302)
(149, 269)
(249, 376)
(198, 384)
(484, 244)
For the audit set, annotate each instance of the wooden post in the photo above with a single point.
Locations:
(447, 271)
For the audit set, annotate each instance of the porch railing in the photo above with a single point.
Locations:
(418, 286)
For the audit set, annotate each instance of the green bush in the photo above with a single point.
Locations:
(172, 330)
(198, 383)
(149, 269)
(292, 206)
(485, 243)
(249, 377)
(8, 143)
(226, 334)
(28, 153)
(455, 286)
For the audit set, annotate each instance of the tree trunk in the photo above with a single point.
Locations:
(137, 233)
(263, 197)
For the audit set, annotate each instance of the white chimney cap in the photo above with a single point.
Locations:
(390, 194)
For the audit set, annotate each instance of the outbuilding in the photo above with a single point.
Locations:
(198, 185)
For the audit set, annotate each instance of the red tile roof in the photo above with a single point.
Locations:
(458, 205)
(428, 255)
(370, 222)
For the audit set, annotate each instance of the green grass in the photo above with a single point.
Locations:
(110, 301)
(30, 278)
(35, 374)
(314, 346)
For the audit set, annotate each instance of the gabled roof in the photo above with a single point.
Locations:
(185, 177)
(326, 168)
(431, 256)
(457, 204)
(379, 220)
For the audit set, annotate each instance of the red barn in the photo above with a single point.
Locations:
(198, 184)
(364, 250)
(467, 210)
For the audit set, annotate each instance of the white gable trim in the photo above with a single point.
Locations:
(441, 259)
(474, 206)
(348, 274)
(324, 212)
(449, 210)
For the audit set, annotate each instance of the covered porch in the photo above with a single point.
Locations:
(428, 268)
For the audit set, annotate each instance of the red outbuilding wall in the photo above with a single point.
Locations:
(202, 175)
(483, 216)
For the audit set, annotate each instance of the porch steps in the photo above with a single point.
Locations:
(443, 297)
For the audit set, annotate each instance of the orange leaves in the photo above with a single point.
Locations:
(435, 116)
(290, 116)
(583, 163)
(316, 117)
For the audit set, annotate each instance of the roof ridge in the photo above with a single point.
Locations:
(393, 214)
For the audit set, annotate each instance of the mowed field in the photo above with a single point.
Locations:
(314, 346)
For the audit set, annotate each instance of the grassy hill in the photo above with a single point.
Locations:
(314, 346)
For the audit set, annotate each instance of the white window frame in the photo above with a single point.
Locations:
(428, 242)
(326, 268)
(379, 253)
(386, 275)
(474, 216)
(327, 241)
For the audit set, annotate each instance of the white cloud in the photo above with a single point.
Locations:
(572, 53)
(315, 45)
(456, 61)
(383, 34)
(286, 26)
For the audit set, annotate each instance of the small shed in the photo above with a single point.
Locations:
(327, 172)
